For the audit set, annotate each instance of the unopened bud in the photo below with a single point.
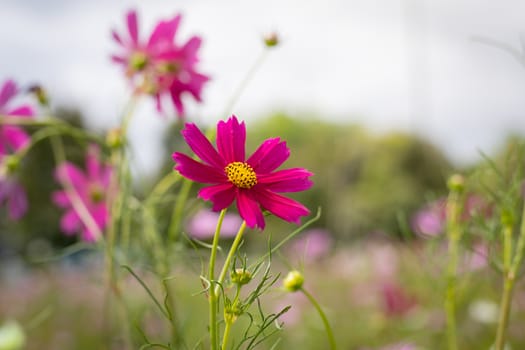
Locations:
(114, 138)
(293, 281)
(241, 276)
(271, 39)
(231, 313)
(40, 94)
(9, 165)
(456, 183)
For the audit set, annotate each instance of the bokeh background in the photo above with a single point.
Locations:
(382, 100)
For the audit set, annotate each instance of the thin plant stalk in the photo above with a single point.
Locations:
(328, 329)
(508, 288)
(211, 277)
(231, 253)
(454, 233)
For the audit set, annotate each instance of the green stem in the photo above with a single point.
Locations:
(321, 313)
(454, 209)
(211, 278)
(231, 253)
(227, 329)
(508, 287)
(178, 210)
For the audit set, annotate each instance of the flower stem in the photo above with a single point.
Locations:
(321, 313)
(211, 277)
(231, 253)
(454, 233)
(227, 329)
(508, 287)
(178, 210)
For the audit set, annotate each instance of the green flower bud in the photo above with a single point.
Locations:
(456, 183)
(114, 138)
(241, 276)
(231, 313)
(9, 165)
(271, 39)
(293, 281)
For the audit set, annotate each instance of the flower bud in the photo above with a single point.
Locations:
(271, 39)
(9, 165)
(40, 94)
(456, 183)
(241, 276)
(114, 138)
(231, 313)
(293, 281)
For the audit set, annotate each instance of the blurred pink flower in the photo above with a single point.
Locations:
(90, 190)
(12, 139)
(160, 66)
(396, 301)
(203, 225)
(253, 183)
(311, 245)
(431, 219)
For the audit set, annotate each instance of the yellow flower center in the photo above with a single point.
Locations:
(241, 174)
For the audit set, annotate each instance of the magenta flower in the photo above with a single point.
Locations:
(12, 139)
(253, 183)
(159, 66)
(85, 196)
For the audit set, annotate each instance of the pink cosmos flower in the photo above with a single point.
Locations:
(12, 139)
(159, 66)
(85, 196)
(252, 183)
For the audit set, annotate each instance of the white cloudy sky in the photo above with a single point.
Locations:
(388, 64)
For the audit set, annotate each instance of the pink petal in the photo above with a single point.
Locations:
(190, 49)
(196, 171)
(202, 146)
(67, 173)
(175, 93)
(88, 236)
(164, 31)
(117, 37)
(100, 214)
(283, 207)
(8, 91)
(70, 222)
(269, 156)
(22, 111)
(131, 19)
(288, 180)
(231, 140)
(61, 199)
(119, 59)
(249, 210)
(221, 195)
(197, 80)
(15, 138)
